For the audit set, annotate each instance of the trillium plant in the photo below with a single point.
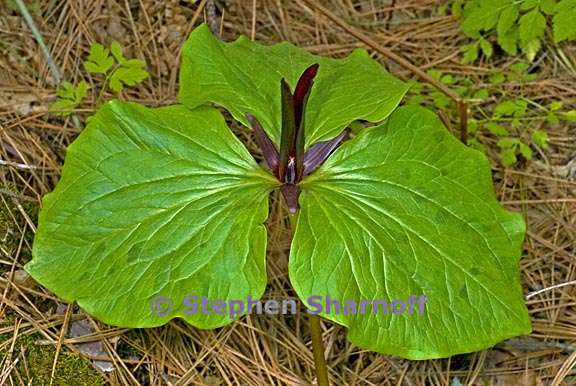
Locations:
(168, 202)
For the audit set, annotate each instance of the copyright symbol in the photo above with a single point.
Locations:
(161, 306)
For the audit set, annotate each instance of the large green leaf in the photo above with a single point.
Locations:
(154, 202)
(405, 209)
(564, 21)
(245, 77)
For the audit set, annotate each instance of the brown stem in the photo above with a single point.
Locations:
(318, 350)
(463, 113)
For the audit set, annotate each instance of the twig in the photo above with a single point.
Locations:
(532, 294)
(17, 196)
(59, 343)
(45, 51)
(51, 65)
(461, 103)
(253, 29)
(18, 165)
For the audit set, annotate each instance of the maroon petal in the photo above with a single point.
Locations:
(265, 144)
(303, 90)
(319, 152)
(288, 134)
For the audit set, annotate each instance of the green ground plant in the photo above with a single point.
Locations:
(117, 72)
(516, 25)
(518, 123)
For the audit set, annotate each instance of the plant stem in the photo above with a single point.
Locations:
(45, 51)
(318, 350)
(38, 36)
(463, 114)
(315, 333)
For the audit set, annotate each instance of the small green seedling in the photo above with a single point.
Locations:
(169, 202)
(69, 97)
(118, 70)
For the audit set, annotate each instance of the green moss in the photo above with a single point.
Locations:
(71, 369)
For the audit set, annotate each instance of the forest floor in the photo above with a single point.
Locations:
(37, 345)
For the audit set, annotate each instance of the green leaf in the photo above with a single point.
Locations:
(563, 21)
(486, 47)
(552, 118)
(516, 108)
(555, 106)
(405, 209)
(99, 60)
(116, 50)
(473, 19)
(441, 101)
(415, 100)
(482, 94)
(482, 15)
(531, 48)
(456, 8)
(476, 145)
(540, 138)
(497, 78)
(80, 91)
(127, 76)
(63, 106)
(134, 63)
(519, 67)
(525, 151)
(565, 6)
(435, 74)
(548, 6)
(508, 142)
(529, 4)
(507, 20)
(520, 72)
(244, 77)
(154, 202)
(509, 41)
(69, 97)
(448, 79)
(442, 9)
(470, 53)
(570, 116)
(532, 26)
(66, 90)
(496, 129)
(508, 157)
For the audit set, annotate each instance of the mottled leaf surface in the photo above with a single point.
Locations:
(405, 209)
(244, 77)
(154, 202)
